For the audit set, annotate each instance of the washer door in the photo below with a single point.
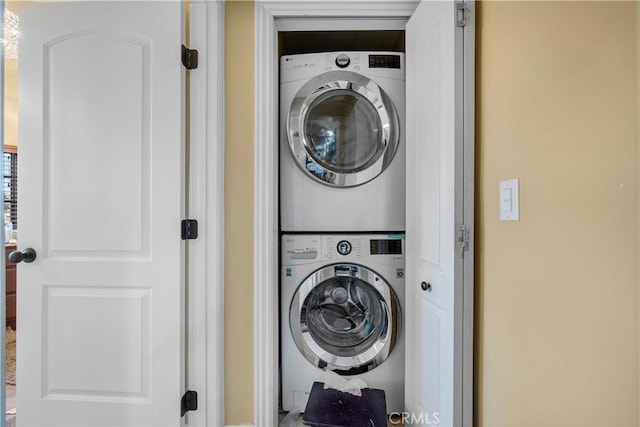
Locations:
(346, 318)
(343, 129)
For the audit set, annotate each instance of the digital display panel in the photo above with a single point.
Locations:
(384, 61)
(386, 247)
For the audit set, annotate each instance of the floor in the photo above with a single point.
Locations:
(10, 347)
(11, 406)
(285, 421)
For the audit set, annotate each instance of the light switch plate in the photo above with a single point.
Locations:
(509, 200)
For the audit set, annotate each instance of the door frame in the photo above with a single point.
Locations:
(207, 195)
(272, 16)
(291, 14)
(204, 296)
(203, 317)
(468, 215)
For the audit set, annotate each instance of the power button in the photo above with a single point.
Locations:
(343, 61)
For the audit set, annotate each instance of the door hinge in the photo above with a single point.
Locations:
(463, 14)
(189, 402)
(189, 229)
(189, 58)
(463, 236)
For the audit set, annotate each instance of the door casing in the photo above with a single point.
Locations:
(205, 267)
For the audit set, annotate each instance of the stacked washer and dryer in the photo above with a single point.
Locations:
(342, 194)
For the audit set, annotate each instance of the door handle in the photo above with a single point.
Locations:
(26, 255)
(426, 286)
(347, 270)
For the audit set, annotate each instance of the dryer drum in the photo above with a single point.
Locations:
(345, 317)
(343, 129)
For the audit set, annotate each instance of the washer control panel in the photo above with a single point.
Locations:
(305, 248)
(339, 246)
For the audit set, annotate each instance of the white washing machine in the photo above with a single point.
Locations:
(342, 144)
(341, 299)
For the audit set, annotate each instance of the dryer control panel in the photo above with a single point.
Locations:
(308, 65)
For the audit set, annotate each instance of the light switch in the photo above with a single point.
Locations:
(509, 210)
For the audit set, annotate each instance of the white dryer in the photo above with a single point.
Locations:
(342, 149)
(341, 299)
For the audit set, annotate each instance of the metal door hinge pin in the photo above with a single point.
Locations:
(463, 236)
(463, 14)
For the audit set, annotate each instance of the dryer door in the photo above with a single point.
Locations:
(343, 129)
(346, 318)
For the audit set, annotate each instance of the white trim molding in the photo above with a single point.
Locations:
(266, 277)
(468, 291)
(205, 297)
(266, 327)
(336, 8)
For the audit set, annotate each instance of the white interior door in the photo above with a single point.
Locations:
(434, 210)
(99, 310)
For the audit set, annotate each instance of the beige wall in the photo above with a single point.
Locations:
(557, 307)
(239, 212)
(558, 291)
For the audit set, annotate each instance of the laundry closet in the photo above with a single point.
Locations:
(430, 312)
(342, 149)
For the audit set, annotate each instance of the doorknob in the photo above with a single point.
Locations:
(425, 286)
(26, 255)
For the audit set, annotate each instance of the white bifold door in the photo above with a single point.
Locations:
(439, 296)
(100, 307)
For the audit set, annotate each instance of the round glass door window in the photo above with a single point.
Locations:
(343, 129)
(345, 318)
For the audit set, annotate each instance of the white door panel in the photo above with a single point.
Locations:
(434, 194)
(428, 331)
(100, 89)
(111, 137)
